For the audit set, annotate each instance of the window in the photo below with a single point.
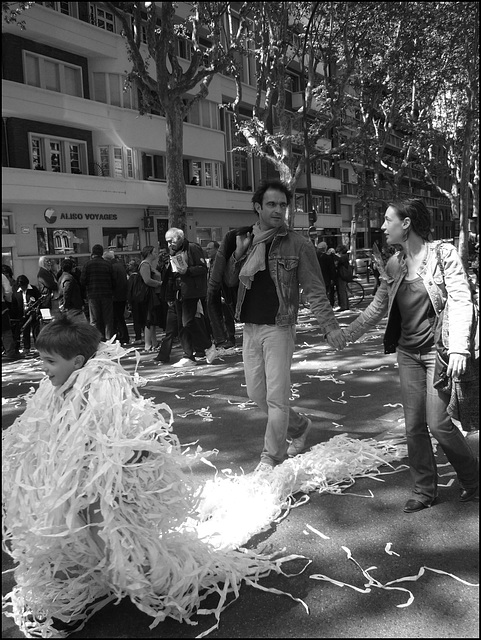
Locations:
(111, 88)
(317, 204)
(300, 202)
(185, 49)
(67, 8)
(345, 176)
(208, 234)
(203, 173)
(327, 204)
(54, 75)
(117, 162)
(121, 238)
(58, 154)
(320, 167)
(101, 18)
(6, 224)
(153, 167)
(62, 241)
(246, 62)
(239, 165)
(204, 113)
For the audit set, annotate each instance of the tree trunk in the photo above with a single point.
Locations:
(176, 189)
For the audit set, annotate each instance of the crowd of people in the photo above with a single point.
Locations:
(163, 291)
(254, 277)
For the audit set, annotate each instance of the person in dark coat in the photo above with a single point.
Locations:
(135, 307)
(119, 297)
(328, 270)
(24, 296)
(184, 284)
(47, 284)
(98, 280)
(71, 291)
(341, 262)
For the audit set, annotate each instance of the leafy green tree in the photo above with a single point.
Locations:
(170, 84)
(449, 146)
(11, 11)
(313, 39)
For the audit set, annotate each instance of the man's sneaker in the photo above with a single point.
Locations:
(263, 467)
(185, 362)
(299, 444)
(211, 354)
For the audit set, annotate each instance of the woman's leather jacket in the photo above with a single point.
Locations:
(452, 288)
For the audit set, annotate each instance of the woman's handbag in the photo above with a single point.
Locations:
(463, 391)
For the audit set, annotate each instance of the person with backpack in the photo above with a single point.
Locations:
(72, 301)
(418, 284)
(344, 276)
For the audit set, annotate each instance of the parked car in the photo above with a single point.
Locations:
(363, 259)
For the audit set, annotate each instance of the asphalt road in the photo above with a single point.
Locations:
(354, 392)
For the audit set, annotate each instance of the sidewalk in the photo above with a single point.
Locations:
(355, 392)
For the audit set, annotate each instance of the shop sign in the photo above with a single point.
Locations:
(88, 216)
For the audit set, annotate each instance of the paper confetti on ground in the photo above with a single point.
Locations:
(122, 457)
(373, 582)
(233, 508)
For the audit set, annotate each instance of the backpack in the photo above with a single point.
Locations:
(346, 272)
(139, 291)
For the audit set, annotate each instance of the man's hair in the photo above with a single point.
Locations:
(417, 212)
(278, 185)
(43, 259)
(97, 250)
(22, 279)
(341, 249)
(108, 255)
(215, 243)
(69, 338)
(322, 246)
(68, 266)
(175, 232)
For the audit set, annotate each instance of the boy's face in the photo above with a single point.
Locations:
(59, 369)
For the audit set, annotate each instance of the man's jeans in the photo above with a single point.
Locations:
(267, 351)
(101, 311)
(424, 405)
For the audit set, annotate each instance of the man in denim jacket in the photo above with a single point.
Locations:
(269, 265)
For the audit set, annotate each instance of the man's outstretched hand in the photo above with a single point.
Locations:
(336, 339)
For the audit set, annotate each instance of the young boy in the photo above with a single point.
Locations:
(96, 503)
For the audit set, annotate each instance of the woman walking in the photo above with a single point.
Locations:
(414, 289)
(151, 308)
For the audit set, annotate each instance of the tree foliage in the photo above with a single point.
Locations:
(11, 11)
(171, 84)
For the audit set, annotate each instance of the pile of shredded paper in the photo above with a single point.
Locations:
(158, 537)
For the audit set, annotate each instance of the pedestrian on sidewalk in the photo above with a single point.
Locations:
(24, 297)
(72, 302)
(135, 306)
(342, 265)
(151, 308)
(412, 293)
(97, 281)
(48, 285)
(223, 297)
(119, 298)
(184, 284)
(328, 270)
(269, 265)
